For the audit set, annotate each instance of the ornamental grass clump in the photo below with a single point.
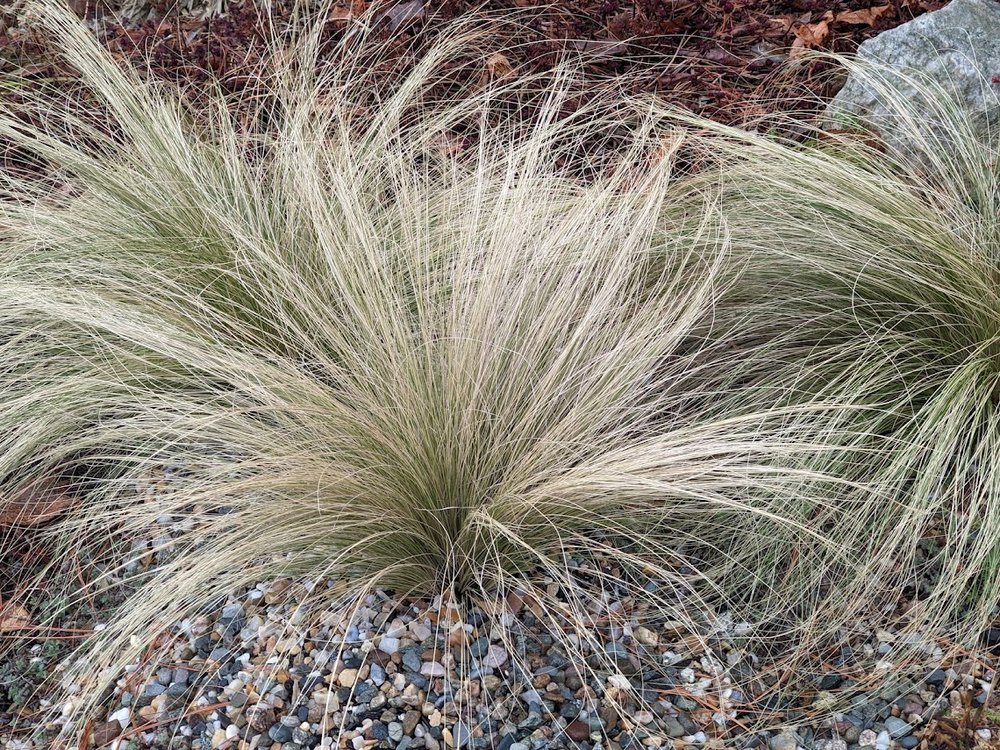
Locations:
(372, 359)
(871, 282)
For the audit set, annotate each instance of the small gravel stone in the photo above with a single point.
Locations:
(347, 677)
(279, 733)
(412, 660)
(388, 645)
(896, 727)
(496, 657)
(232, 612)
(784, 741)
(479, 647)
(419, 631)
(153, 689)
(673, 727)
(432, 669)
(410, 721)
(461, 734)
(365, 692)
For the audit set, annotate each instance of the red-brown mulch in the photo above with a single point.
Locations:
(731, 60)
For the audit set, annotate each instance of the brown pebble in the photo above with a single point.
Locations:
(578, 731)
(106, 732)
(410, 721)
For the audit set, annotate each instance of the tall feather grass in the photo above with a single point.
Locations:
(871, 282)
(385, 367)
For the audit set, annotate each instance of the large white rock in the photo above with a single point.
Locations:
(957, 47)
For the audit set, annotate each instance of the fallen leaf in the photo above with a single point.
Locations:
(34, 503)
(669, 145)
(865, 16)
(798, 48)
(723, 57)
(499, 67)
(814, 34)
(14, 617)
(106, 732)
(783, 23)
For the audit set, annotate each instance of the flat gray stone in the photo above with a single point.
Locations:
(897, 727)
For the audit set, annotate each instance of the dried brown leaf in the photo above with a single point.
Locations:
(34, 503)
(448, 145)
(814, 34)
(340, 13)
(500, 68)
(864, 16)
(14, 617)
(601, 47)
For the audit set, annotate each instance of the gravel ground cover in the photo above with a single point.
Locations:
(267, 669)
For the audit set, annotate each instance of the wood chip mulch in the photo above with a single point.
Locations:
(732, 60)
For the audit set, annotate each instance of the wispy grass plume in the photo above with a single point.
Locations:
(381, 362)
(871, 283)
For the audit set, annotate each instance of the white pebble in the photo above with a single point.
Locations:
(432, 669)
(121, 716)
(388, 645)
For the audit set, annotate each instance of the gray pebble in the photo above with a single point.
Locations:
(673, 727)
(897, 727)
(301, 736)
(462, 734)
(479, 647)
(412, 660)
(395, 731)
(365, 692)
(784, 741)
(176, 690)
(279, 733)
(232, 611)
(388, 645)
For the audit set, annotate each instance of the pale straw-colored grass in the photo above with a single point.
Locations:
(871, 282)
(456, 374)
